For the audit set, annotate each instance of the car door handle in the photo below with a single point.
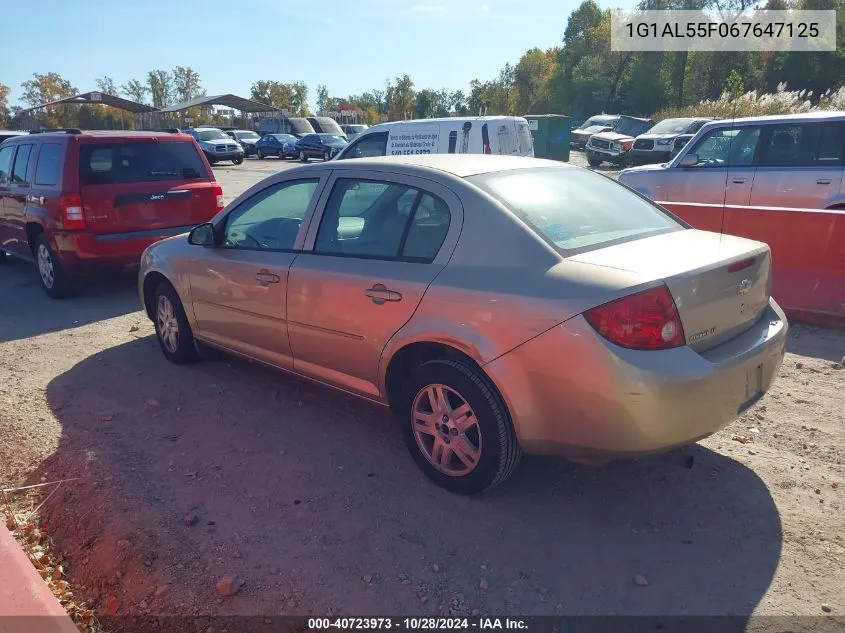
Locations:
(265, 277)
(823, 181)
(738, 181)
(380, 294)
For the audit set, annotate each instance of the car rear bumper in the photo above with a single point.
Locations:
(570, 392)
(81, 252)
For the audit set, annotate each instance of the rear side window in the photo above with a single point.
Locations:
(138, 161)
(575, 210)
(803, 145)
(370, 145)
(47, 168)
(6, 164)
(21, 168)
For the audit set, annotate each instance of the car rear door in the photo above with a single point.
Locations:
(148, 184)
(7, 153)
(369, 257)
(16, 200)
(800, 165)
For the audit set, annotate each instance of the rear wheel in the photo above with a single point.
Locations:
(238, 160)
(261, 153)
(280, 154)
(303, 156)
(594, 162)
(457, 427)
(172, 328)
(55, 281)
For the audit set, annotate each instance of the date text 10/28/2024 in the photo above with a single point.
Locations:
(417, 624)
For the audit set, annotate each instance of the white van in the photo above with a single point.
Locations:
(508, 135)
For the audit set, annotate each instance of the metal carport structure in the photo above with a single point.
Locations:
(234, 102)
(140, 110)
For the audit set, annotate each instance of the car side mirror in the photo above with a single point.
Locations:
(690, 160)
(202, 235)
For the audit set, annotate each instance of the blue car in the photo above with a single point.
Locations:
(281, 145)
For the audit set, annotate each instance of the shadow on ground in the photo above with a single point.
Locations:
(25, 310)
(311, 498)
(816, 342)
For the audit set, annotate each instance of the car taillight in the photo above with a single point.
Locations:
(217, 190)
(646, 320)
(70, 207)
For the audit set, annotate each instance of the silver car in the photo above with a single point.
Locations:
(792, 161)
(496, 304)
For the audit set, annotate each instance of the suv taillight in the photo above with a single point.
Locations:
(646, 320)
(70, 207)
(218, 196)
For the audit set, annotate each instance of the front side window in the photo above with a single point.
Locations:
(382, 220)
(727, 147)
(270, 220)
(575, 210)
(367, 146)
(20, 172)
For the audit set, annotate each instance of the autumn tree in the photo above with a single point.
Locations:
(45, 88)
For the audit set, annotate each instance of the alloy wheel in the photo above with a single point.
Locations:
(168, 325)
(446, 430)
(45, 266)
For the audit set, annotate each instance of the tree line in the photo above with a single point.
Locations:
(581, 77)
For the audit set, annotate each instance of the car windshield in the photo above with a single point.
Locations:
(247, 136)
(671, 126)
(285, 138)
(212, 135)
(575, 210)
(598, 120)
(632, 127)
(331, 138)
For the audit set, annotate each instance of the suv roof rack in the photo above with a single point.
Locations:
(65, 130)
(168, 130)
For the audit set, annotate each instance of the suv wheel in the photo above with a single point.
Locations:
(238, 160)
(457, 427)
(260, 153)
(594, 162)
(327, 155)
(172, 328)
(55, 281)
(302, 156)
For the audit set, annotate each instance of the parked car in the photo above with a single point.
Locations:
(325, 146)
(246, 139)
(789, 160)
(352, 130)
(281, 145)
(4, 134)
(680, 142)
(217, 145)
(395, 279)
(579, 136)
(296, 126)
(655, 146)
(326, 125)
(75, 201)
(615, 146)
(507, 135)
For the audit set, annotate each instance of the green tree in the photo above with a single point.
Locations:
(135, 90)
(160, 84)
(323, 101)
(48, 87)
(186, 84)
(105, 84)
(5, 114)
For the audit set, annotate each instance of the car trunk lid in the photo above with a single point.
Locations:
(144, 185)
(721, 284)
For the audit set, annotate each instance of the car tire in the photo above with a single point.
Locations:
(629, 161)
(4, 258)
(303, 157)
(173, 331)
(238, 161)
(486, 428)
(54, 280)
(280, 154)
(327, 155)
(260, 154)
(594, 162)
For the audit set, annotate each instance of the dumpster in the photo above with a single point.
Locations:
(551, 135)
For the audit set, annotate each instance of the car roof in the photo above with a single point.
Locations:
(460, 165)
(803, 117)
(127, 134)
(448, 119)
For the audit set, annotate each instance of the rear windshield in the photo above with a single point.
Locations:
(138, 161)
(212, 135)
(247, 135)
(284, 138)
(300, 126)
(573, 209)
(332, 138)
(598, 120)
(671, 126)
(632, 127)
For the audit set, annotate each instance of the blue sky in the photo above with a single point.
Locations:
(350, 47)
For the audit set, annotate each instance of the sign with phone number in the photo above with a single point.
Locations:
(422, 141)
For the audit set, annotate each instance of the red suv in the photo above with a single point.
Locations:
(75, 201)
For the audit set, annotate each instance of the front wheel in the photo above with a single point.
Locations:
(594, 162)
(302, 156)
(261, 154)
(327, 155)
(54, 280)
(457, 427)
(173, 331)
(238, 160)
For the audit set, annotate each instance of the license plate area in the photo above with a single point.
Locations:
(753, 388)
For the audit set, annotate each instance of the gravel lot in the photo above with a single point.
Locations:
(187, 474)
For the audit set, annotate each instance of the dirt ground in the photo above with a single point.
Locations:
(186, 474)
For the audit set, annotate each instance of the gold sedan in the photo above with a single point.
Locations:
(496, 304)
